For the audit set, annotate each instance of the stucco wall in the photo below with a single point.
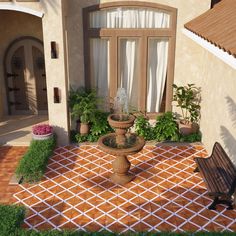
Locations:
(56, 69)
(13, 26)
(187, 10)
(218, 106)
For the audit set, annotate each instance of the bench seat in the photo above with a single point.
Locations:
(219, 174)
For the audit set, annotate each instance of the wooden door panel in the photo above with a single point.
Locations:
(17, 89)
(26, 78)
(40, 77)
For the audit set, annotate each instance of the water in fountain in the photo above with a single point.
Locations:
(121, 143)
(121, 103)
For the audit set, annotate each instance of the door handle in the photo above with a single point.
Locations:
(44, 89)
(11, 75)
(44, 75)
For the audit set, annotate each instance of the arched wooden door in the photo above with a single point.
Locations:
(26, 78)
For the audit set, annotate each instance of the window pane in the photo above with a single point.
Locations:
(129, 18)
(157, 72)
(129, 69)
(99, 66)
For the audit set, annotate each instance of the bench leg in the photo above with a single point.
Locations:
(217, 201)
(214, 203)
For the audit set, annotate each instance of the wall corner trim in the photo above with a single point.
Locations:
(222, 55)
(15, 7)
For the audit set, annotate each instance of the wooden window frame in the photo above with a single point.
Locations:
(143, 34)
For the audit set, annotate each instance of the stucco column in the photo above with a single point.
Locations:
(56, 70)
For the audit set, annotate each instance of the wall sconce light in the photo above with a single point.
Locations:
(56, 95)
(54, 53)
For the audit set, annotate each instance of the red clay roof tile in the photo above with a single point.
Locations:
(218, 26)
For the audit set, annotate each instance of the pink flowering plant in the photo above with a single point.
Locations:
(42, 129)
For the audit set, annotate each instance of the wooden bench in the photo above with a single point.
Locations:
(219, 175)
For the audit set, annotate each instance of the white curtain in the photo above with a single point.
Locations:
(157, 71)
(128, 69)
(129, 18)
(99, 62)
(157, 58)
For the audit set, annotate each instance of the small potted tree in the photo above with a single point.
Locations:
(83, 108)
(188, 99)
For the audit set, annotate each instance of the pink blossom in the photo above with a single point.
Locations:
(42, 129)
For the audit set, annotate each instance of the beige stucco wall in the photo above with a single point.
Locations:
(192, 65)
(13, 26)
(56, 69)
(187, 10)
(218, 106)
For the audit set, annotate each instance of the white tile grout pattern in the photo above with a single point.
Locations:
(165, 196)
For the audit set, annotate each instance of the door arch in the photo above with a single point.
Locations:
(25, 77)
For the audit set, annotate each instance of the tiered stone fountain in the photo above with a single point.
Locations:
(121, 144)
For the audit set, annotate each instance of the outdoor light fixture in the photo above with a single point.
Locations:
(56, 95)
(54, 53)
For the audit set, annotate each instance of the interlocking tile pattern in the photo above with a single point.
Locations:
(9, 157)
(166, 194)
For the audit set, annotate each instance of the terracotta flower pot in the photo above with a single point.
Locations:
(188, 128)
(84, 128)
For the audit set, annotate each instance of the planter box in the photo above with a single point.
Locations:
(42, 136)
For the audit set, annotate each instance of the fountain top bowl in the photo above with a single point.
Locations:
(135, 146)
(121, 120)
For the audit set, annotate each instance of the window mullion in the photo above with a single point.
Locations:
(113, 66)
(143, 73)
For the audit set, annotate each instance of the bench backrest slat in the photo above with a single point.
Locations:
(224, 165)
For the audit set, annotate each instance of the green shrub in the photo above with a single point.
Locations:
(33, 164)
(143, 128)
(11, 218)
(196, 137)
(166, 128)
(99, 127)
(106, 233)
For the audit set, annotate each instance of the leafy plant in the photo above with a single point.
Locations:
(83, 104)
(11, 218)
(99, 127)
(166, 128)
(33, 164)
(143, 128)
(188, 99)
(196, 137)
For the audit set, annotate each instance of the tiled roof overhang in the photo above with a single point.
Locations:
(217, 26)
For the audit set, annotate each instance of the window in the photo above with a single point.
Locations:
(131, 45)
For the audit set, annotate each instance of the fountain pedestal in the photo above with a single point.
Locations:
(121, 166)
(120, 144)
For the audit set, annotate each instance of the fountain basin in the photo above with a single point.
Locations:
(133, 144)
(121, 121)
(121, 165)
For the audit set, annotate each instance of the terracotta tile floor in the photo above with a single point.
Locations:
(9, 157)
(165, 196)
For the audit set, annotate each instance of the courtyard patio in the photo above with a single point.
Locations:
(76, 192)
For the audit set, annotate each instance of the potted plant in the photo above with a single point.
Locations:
(42, 132)
(188, 99)
(83, 107)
